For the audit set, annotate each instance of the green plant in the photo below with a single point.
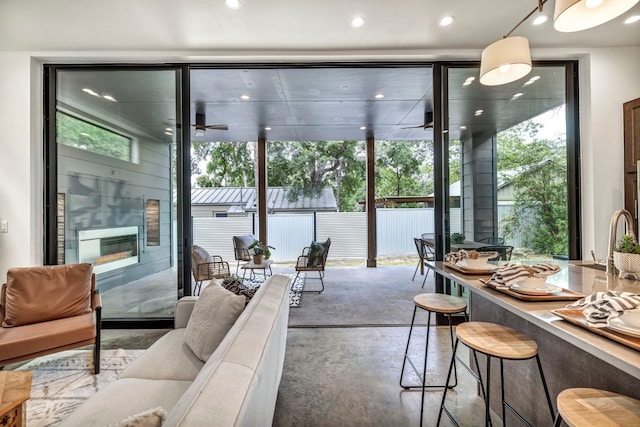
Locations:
(627, 245)
(457, 238)
(260, 248)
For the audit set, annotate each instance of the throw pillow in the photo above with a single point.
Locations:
(233, 284)
(316, 253)
(214, 313)
(39, 294)
(150, 418)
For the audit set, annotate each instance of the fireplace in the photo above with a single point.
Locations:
(108, 248)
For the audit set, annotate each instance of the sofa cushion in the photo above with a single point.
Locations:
(169, 358)
(123, 398)
(39, 294)
(214, 313)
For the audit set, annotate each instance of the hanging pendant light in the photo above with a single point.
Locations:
(505, 61)
(578, 15)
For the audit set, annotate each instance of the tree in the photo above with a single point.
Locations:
(309, 166)
(230, 164)
(539, 177)
(398, 166)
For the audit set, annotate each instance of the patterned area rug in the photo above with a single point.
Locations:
(62, 381)
(295, 292)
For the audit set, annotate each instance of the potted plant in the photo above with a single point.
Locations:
(260, 251)
(626, 257)
(457, 238)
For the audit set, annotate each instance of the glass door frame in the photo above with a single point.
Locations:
(183, 185)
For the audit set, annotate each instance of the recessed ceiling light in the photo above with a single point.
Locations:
(468, 81)
(267, 128)
(245, 97)
(463, 127)
(379, 95)
(445, 131)
(233, 4)
(479, 112)
(517, 95)
(540, 19)
(632, 19)
(447, 20)
(169, 129)
(90, 92)
(531, 80)
(357, 22)
(109, 98)
(363, 127)
(168, 133)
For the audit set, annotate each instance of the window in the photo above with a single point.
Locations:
(220, 215)
(83, 135)
(153, 222)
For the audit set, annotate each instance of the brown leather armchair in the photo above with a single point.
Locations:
(48, 309)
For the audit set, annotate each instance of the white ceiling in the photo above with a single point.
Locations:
(310, 26)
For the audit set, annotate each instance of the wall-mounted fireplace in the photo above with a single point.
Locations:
(108, 248)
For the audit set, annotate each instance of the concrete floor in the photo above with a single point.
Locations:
(344, 355)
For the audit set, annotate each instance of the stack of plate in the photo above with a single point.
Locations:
(535, 286)
(628, 323)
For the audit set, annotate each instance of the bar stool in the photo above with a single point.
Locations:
(432, 303)
(502, 343)
(590, 406)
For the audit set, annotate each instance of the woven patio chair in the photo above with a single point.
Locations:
(206, 267)
(314, 258)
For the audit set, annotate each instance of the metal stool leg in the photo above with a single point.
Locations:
(443, 408)
(546, 389)
(504, 414)
(487, 415)
(406, 351)
(558, 420)
(424, 368)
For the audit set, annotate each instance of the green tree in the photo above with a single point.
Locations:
(537, 170)
(309, 166)
(398, 167)
(81, 134)
(229, 164)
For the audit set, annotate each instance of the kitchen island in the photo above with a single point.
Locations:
(571, 356)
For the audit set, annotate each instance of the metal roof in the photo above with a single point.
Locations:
(277, 199)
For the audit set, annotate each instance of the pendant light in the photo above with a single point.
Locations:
(578, 15)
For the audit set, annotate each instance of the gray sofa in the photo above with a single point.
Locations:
(237, 386)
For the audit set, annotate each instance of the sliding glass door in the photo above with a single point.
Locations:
(114, 155)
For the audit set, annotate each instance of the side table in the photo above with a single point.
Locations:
(15, 389)
(264, 266)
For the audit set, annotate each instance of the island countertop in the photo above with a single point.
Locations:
(573, 276)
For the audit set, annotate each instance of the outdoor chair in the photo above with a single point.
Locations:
(241, 251)
(47, 309)
(504, 252)
(426, 252)
(206, 267)
(498, 241)
(314, 258)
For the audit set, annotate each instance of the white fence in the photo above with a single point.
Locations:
(396, 229)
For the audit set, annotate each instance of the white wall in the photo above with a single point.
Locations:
(609, 77)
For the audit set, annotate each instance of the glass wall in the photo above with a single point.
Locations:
(508, 163)
(115, 145)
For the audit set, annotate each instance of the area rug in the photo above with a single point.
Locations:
(295, 292)
(62, 381)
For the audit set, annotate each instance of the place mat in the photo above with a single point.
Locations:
(575, 316)
(565, 295)
(470, 271)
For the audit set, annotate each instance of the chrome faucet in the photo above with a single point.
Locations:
(612, 234)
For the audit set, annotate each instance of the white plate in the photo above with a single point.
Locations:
(545, 289)
(631, 318)
(618, 325)
(487, 267)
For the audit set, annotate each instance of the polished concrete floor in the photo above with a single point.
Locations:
(344, 355)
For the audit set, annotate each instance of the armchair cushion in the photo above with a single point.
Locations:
(39, 294)
(214, 313)
(241, 246)
(316, 253)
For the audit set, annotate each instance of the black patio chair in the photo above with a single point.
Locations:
(498, 241)
(426, 252)
(504, 252)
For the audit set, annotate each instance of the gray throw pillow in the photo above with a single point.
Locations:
(214, 313)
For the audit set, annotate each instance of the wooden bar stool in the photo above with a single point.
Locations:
(432, 303)
(502, 343)
(590, 406)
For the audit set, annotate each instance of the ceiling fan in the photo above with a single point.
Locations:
(428, 122)
(201, 126)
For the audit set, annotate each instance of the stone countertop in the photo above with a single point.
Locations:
(573, 276)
